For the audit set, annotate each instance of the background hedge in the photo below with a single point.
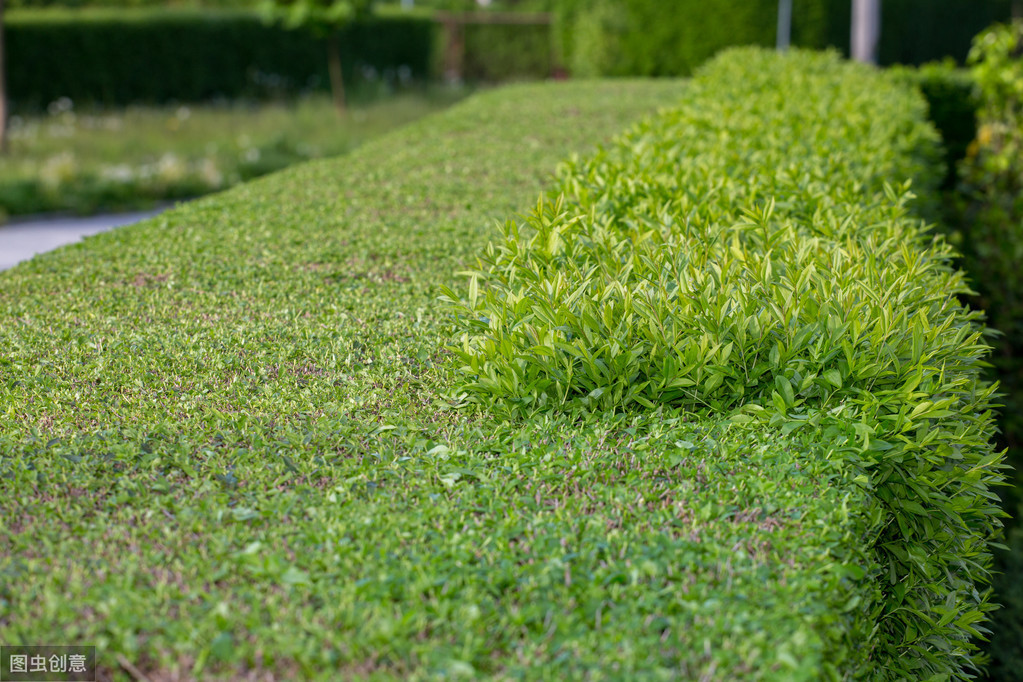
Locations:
(120, 57)
(158, 55)
(654, 38)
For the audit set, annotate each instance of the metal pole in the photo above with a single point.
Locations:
(784, 25)
(866, 30)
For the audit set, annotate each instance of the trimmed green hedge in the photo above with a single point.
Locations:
(753, 253)
(155, 56)
(232, 434)
(656, 38)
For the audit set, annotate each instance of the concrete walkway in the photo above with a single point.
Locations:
(22, 239)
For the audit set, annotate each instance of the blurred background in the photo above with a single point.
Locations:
(120, 104)
(113, 105)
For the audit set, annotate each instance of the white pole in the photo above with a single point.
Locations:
(866, 30)
(784, 25)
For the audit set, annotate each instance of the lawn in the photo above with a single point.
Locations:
(84, 161)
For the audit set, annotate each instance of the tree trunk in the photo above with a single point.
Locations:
(454, 50)
(3, 87)
(866, 30)
(337, 81)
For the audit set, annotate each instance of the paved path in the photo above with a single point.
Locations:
(22, 239)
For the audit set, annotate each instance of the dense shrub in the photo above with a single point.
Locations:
(991, 221)
(155, 56)
(622, 37)
(753, 252)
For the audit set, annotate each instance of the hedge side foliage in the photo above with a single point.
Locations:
(654, 38)
(753, 253)
(158, 56)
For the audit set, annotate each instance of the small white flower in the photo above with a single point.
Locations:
(170, 168)
(121, 173)
(210, 174)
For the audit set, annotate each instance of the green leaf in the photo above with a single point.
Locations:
(474, 291)
(294, 576)
(785, 389)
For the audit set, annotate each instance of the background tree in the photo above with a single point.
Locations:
(325, 18)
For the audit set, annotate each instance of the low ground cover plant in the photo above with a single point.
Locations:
(83, 160)
(747, 254)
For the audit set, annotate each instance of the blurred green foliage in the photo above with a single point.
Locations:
(108, 56)
(992, 208)
(502, 52)
(85, 160)
(655, 38)
(991, 220)
(321, 16)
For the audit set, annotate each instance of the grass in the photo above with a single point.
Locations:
(67, 160)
